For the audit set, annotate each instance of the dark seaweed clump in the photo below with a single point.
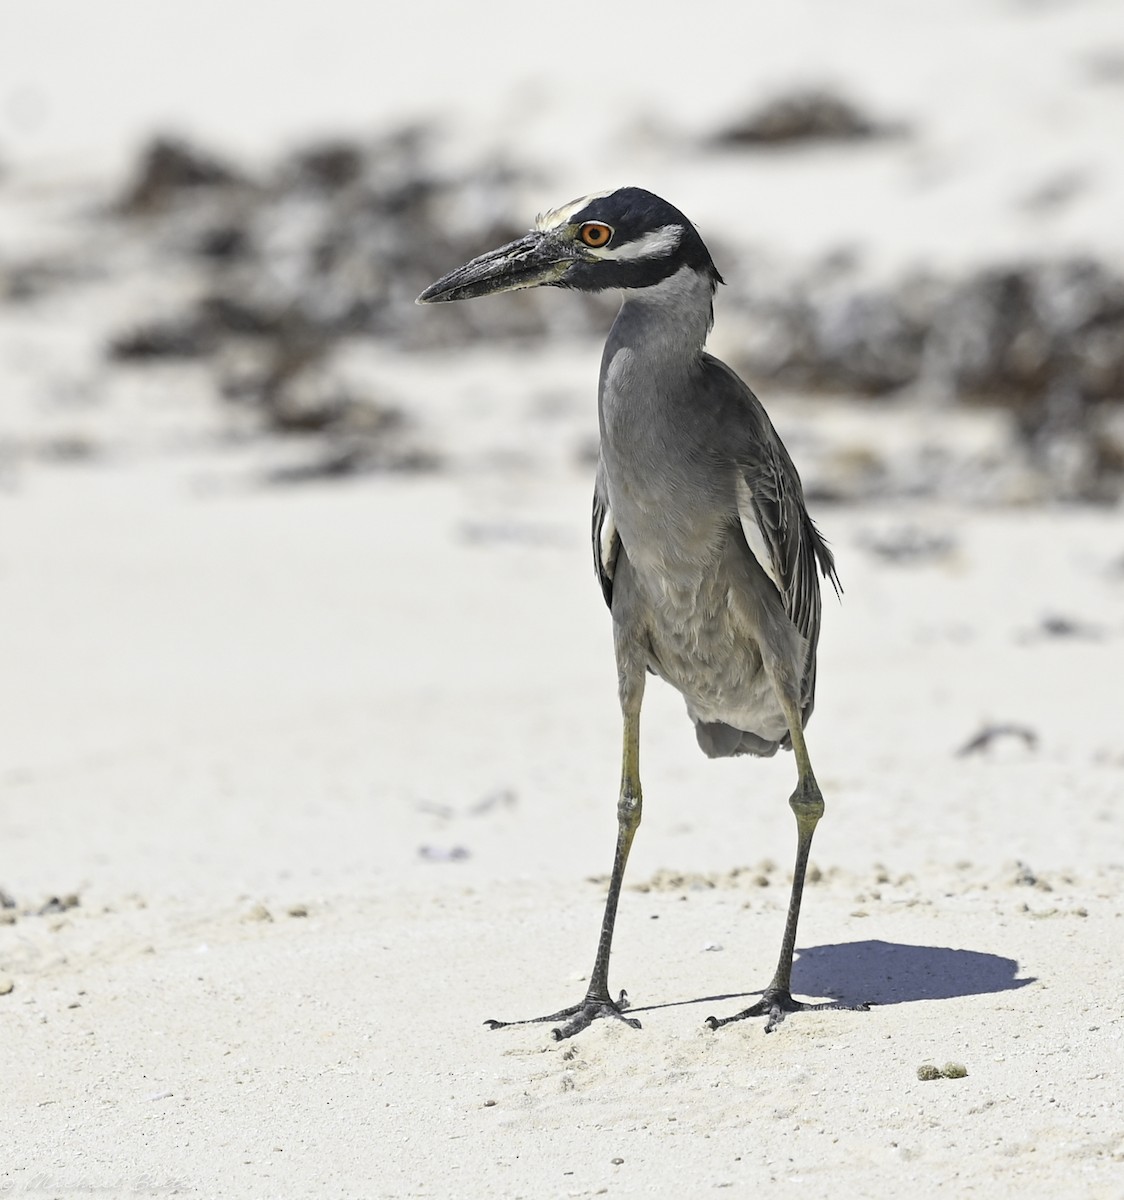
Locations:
(813, 114)
(1043, 340)
(331, 244)
(336, 239)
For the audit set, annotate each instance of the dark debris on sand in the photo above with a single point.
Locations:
(339, 238)
(332, 243)
(169, 167)
(1045, 341)
(803, 116)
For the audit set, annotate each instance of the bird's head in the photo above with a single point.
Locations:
(629, 238)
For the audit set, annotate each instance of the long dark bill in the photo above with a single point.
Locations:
(534, 260)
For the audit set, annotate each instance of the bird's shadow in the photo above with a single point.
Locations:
(897, 973)
(877, 972)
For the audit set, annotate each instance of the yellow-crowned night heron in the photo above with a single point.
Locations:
(701, 540)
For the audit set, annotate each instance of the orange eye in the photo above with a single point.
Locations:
(593, 233)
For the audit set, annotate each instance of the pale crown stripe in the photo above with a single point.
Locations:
(561, 216)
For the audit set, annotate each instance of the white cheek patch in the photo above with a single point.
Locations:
(561, 216)
(659, 243)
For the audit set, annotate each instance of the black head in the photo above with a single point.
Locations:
(629, 238)
(632, 239)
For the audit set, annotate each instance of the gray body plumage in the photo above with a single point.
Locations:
(690, 463)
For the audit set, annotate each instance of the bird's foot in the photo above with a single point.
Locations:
(578, 1016)
(776, 1004)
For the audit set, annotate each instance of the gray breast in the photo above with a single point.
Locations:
(692, 595)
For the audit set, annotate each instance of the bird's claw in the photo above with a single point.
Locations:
(578, 1016)
(776, 1004)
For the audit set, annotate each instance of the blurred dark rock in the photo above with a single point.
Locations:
(329, 165)
(1058, 626)
(167, 168)
(23, 282)
(177, 337)
(228, 315)
(991, 733)
(296, 393)
(808, 115)
(340, 460)
(223, 242)
(909, 545)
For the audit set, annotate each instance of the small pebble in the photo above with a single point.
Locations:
(259, 913)
(443, 854)
(6, 984)
(298, 910)
(617, 1162)
(951, 1070)
(489, 1104)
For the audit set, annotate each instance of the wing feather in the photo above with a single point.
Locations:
(606, 541)
(772, 512)
(778, 531)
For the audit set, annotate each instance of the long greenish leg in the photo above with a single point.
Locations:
(598, 1002)
(807, 806)
(629, 808)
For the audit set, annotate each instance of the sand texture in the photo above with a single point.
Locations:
(329, 794)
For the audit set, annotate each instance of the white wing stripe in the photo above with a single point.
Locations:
(755, 539)
(608, 536)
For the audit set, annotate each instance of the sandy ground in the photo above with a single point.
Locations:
(225, 708)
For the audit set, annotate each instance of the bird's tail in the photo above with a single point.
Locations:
(718, 740)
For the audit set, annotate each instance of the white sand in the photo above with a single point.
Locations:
(218, 702)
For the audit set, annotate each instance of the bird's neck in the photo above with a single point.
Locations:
(668, 321)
